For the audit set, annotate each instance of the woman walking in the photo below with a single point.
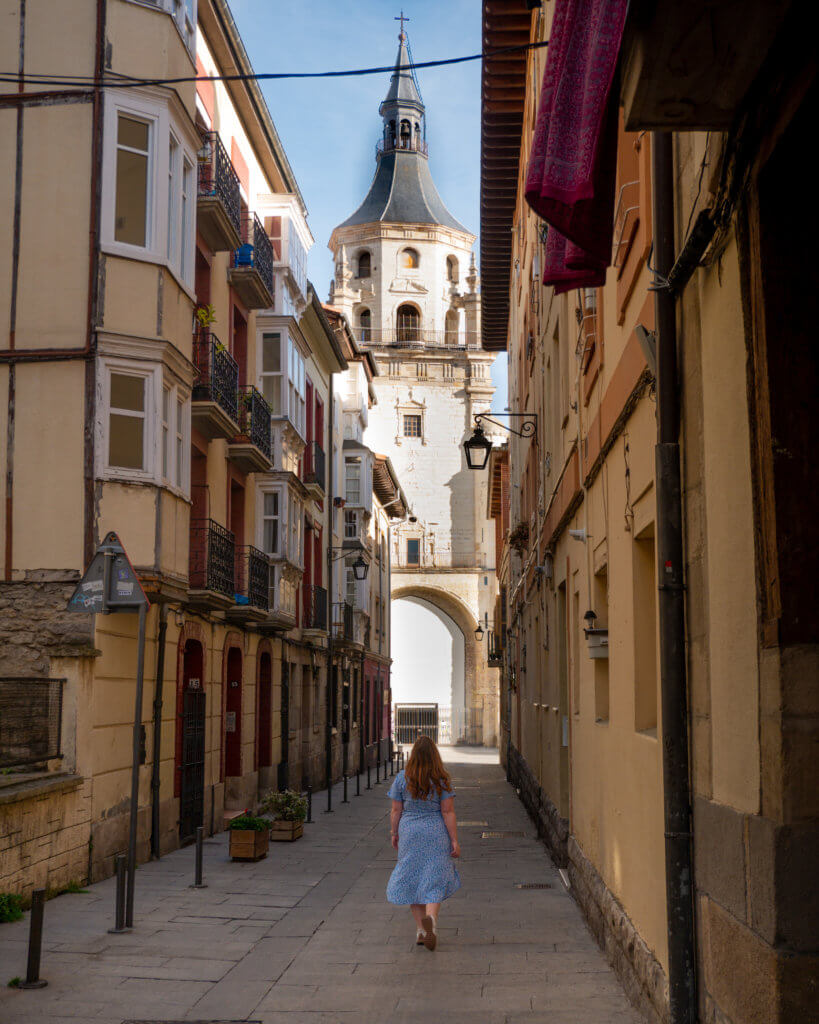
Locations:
(425, 834)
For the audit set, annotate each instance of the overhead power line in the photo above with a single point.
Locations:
(129, 81)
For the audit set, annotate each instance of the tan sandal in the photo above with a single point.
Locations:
(420, 935)
(430, 926)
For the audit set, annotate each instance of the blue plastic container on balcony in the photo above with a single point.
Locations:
(244, 255)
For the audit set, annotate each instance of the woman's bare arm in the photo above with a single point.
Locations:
(448, 811)
(396, 811)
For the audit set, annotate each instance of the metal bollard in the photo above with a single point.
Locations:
(197, 874)
(119, 897)
(35, 942)
(345, 800)
(392, 765)
(369, 784)
(358, 782)
(309, 805)
(378, 770)
(329, 809)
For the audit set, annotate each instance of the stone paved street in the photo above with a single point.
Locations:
(306, 937)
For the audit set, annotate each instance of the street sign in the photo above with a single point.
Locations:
(109, 584)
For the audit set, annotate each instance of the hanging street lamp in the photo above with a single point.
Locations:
(360, 568)
(478, 447)
(479, 633)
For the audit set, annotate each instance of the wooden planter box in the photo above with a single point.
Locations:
(286, 831)
(248, 844)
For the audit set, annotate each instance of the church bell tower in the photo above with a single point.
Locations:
(406, 280)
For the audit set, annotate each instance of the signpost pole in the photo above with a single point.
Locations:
(132, 834)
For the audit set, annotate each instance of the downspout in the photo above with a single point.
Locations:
(682, 981)
(160, 676)
(328, 729)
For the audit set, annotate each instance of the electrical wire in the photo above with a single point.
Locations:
(129, 81)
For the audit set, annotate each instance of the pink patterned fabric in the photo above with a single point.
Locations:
(573, 162)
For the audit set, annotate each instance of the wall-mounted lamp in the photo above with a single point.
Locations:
(478, 446)
(179, 617)
(479, 633)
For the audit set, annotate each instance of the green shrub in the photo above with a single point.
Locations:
(285, 806)
(248, 822)
(11, 906)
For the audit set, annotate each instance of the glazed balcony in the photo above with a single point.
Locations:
(215, 398)
(251, 266)
(251, 448)
(212, 566)
(314, 469)
(314, 608)
(218, 205)
(252, 594)
(282, 592)
(343, 621)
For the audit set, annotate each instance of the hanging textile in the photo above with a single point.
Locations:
(573, 162)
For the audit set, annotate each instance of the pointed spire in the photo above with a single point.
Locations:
(403, 88)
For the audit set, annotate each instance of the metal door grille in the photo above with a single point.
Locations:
(191, 803)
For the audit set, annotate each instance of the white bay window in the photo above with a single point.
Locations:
(282, 379)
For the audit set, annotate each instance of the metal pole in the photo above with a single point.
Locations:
(197, 871)
(345, 800)
(35, 942)
(328, 727)
(369, 784)
(378, 767)
(160, 673)
(682, 977)
(309, 805)
(358, 782)
(132, 831)
(119, 896)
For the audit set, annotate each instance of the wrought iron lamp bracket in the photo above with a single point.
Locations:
(528, 426)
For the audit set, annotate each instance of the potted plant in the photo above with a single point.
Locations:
(249, 837)
(289, 809)
(204, 316)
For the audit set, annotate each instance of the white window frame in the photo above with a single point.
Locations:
(280, 517)
(164, 243)
(293, 383)
(291, 524)
(281, 373)
(158, 432)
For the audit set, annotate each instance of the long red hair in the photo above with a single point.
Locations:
(425, 770)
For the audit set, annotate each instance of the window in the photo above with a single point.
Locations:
(127, 422)
(452, 269)
(408, 323)
(181, 447)
(365, 321)
(271, 535)
(352, 490)
(412, 425)
(183, 13)
(408, 259)
(271, 382)
(295, 513)
(132, 177)
(413, 550)
(297, 387)
(364, 264)
(349, 586)
(350, 524)
(148, 184)
(166, 432)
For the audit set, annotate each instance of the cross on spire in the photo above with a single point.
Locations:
(402, 19)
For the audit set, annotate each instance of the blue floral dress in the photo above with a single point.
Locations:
(425, 872)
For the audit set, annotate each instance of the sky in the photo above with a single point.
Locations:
(329, 127)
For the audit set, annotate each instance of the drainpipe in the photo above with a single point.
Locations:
(160, 674)
(682, 982)
(328, 729)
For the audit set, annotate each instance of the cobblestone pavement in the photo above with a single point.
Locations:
(306, 937)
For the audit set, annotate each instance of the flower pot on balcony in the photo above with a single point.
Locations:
(286, 831)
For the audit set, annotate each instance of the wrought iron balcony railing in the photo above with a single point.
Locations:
(252, 577)
(494, 649)
(31, 714)
(315, 607)
(314, 464)
(212, 559)
(256, 250)
(218, 178)
(217, 373)
(401, 145)
(415, 337)
(343, 620)
(254, 419)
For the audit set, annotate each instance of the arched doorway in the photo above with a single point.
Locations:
(442, 676)
(233, 713)
(190, 741)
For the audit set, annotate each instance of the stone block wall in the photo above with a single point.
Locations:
(45, 830)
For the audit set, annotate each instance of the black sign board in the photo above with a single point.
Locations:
(109, 584)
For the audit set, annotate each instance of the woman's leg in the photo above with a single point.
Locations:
(418, 912)
(432, 910)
